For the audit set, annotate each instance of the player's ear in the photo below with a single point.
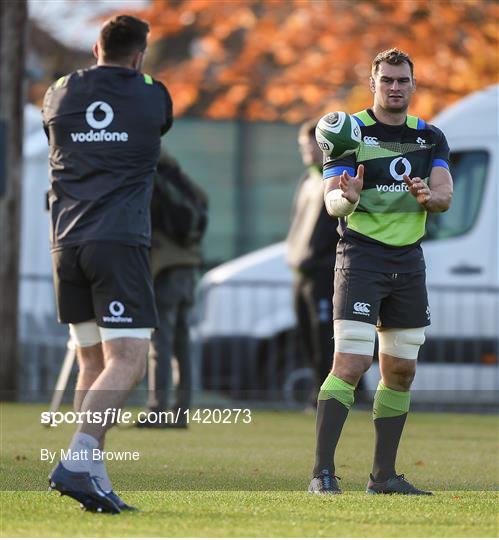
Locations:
(95, 50)
(413, 84)
(372, 86)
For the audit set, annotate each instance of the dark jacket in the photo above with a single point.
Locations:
(312, 236)
(166, 252)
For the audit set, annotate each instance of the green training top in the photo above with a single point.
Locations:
(387, 214)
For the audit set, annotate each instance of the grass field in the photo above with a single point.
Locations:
(250, 480)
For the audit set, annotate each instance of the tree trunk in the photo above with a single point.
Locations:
(13, 22)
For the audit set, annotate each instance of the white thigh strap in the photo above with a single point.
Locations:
(85, 334)
(354, 337)
(401, 342)
(115, 333)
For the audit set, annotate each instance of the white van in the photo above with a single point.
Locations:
(250, 298)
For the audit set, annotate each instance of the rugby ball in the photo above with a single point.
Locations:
(337, 134)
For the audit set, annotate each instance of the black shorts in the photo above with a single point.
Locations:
(387, 300)
(110, 283)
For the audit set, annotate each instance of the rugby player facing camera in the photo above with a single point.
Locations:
(384, 170)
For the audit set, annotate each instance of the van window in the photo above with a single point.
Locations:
(469, 171)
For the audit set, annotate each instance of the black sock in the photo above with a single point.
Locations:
(331, 415)
(388, 433)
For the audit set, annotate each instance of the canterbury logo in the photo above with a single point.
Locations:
(361, 308)
(371, 141)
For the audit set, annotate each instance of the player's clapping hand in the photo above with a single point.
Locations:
(418, 189)
(352, 185)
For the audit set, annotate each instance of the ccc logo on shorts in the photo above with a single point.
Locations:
(361, 308)
(116, 308)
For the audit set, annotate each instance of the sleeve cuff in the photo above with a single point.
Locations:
(337, 171)
(440, 163)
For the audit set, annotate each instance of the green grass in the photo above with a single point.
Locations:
(250, 480)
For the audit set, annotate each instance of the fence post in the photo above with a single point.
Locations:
(242, 203)
(13, 22)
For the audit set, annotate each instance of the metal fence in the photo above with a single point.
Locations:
(458, 364)
(245, 347)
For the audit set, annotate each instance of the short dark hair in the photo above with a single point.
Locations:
(394, 57)
(122, 36)
(307, 129)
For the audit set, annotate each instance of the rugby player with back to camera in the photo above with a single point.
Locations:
(104, 126)
(381, 193)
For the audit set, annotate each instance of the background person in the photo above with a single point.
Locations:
(104, 126)
(179, 219)
(382, 195)
(311, 249)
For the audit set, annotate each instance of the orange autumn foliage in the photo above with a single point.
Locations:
(293, 59)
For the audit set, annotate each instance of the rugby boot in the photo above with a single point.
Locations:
(395, 484)
(325, 484)
(83, 488)
(120, 503)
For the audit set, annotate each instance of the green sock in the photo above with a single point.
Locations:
(335, 399)
(390, 410)
(335, 388)
(388, 402)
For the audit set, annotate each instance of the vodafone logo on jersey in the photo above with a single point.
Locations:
(99, 115)
(398, 167)
(92, 121)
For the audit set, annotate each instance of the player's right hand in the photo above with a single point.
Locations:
(352, 185)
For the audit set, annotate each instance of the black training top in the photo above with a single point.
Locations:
(104, 126)
(384, 233)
